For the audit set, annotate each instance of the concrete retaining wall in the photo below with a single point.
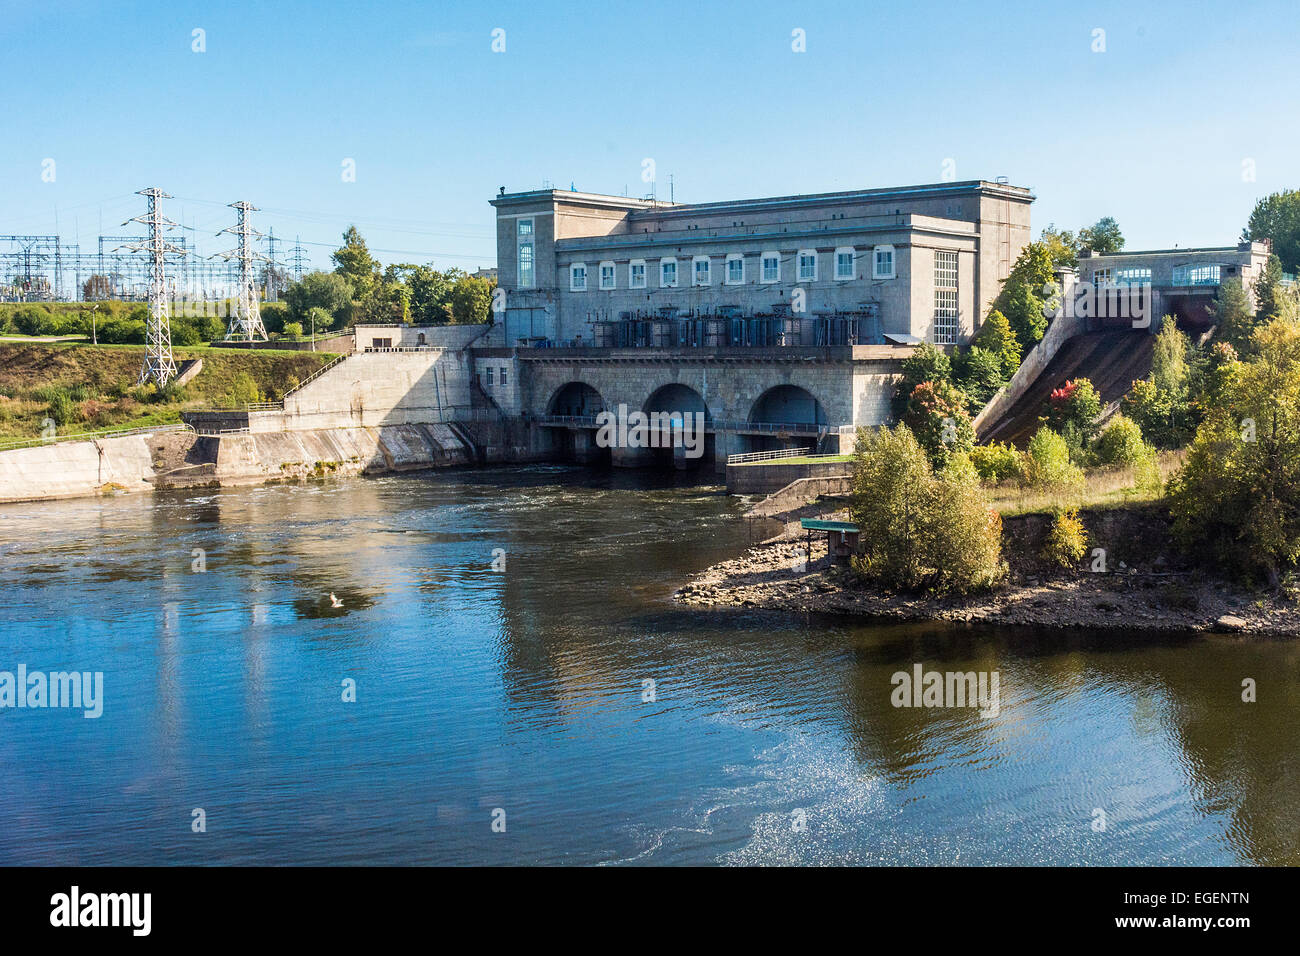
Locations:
(78, 469)
(764, 478)
(1061, 330)
(800, 492)
(74, 469)
(370, 389)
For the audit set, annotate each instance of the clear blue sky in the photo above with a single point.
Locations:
(1153, 131)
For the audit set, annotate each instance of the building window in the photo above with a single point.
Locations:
(489, 374)
(1196, 275)
(525, 265)
(807, 265)
(607, 275)
(771, 267)
(668, 273)
(578, 277)
(735, 269)
(945, 298)
(1132, 275)
(525, 229)
(701, 270)
(884, 263)
(1103, 277)
(844, 268)
(503, 375)
(636, 274)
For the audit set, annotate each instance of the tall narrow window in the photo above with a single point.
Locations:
(636, 274)
(771, 267)
(525, 265)
(489, 374)
(735, 269)
(578, 277)
(607, 275)
(945, 298)
(524, 234)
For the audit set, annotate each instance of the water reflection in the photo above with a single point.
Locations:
(523, 686)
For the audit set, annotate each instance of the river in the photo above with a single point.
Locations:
(526, 691)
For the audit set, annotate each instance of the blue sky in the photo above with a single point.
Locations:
(1153, 131)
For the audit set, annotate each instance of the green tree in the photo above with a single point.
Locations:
(1072, 412)
(1269, 291)
(319, 290)
(1062, 246)
(995, 335)
(1102, 237)
(926, 364)
(471, 301)
(1233, 314)
(293, 330)
(1025, 298)
(1276, 218)
(978, 372)
(353, 261)
(1237, 496)
(921, 531)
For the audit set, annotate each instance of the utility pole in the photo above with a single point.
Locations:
(297, 258)
(272, 277)
(159, 366)
(246, 323)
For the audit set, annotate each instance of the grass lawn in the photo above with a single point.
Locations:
(1102, 488)
(95, 384)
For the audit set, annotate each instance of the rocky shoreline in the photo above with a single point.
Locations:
(779, 575)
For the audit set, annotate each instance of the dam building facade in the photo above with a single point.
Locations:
(783, 322)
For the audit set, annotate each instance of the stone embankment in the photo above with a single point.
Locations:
(171, 459)
(1142, 589)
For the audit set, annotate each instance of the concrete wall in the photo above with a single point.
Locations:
(72, 469)
(369, 389)
(764, 478)
(801, 491)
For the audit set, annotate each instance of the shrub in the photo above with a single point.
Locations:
(293, 330)
(62, 408)
(184, 332)
(274, 315)
(33, 320)
(122, 332)
(937, 417)
(243, 390)
(996, 462)
(921, 531)
(1121, 444)
(978, 372)
(1074, 407)
(1067, 541)
(1046, 463)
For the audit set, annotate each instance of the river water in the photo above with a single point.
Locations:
(521, 695)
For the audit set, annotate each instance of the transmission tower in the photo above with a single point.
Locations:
(297, 258)
(271, 273)
(159, 366)
(246, 323)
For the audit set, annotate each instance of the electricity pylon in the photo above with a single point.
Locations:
(246, 323)
(159, 366)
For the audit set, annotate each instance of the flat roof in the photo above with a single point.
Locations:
(816, 524)
(661, 207)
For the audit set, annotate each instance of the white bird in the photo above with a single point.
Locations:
(335, 602)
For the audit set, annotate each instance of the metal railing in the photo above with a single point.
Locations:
(315, 375)
(716, 425)
(802, 452)
(96, 435)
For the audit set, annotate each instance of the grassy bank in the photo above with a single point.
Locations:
(1101, 488)
(86, 388)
